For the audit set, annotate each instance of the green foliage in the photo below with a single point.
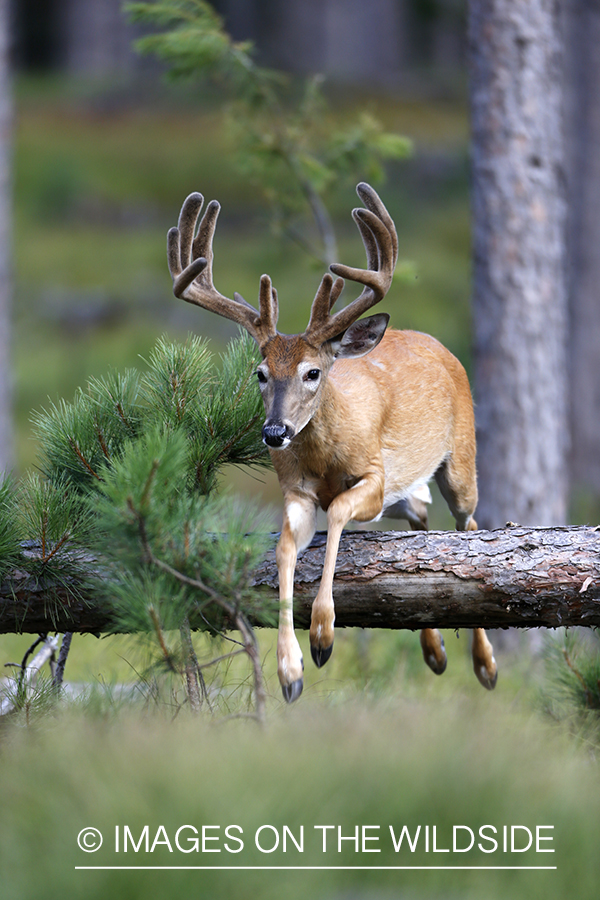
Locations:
(227, 423)
(56, 521)
(219, 415)
(30, 701)
(78, 438)
(10, 531)
(182, 390)
(572, 690)
(42, 525)
(288, 143)
(179, 378)
(130, 469)
(171, 549)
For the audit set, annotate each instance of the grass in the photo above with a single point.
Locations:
(351, 762)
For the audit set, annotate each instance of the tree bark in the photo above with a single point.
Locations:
(583, 139)
(517, 577)
(519, 293)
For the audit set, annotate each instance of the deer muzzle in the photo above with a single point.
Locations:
(277, 436)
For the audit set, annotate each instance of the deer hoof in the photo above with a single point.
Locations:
(320, 655)
(292, 691)
(484, 678)
(434, 651)
(436, 665)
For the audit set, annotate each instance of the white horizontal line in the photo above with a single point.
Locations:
(321, 868)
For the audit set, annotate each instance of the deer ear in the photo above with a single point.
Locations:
(359, 338)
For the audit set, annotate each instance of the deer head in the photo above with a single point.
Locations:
(295, 367)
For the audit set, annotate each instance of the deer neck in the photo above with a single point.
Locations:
(317, 445)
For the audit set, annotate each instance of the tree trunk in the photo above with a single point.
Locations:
(583, 130)
(519, 296)
(518, 577)
(6, 422)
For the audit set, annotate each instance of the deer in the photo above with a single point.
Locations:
(359, 418)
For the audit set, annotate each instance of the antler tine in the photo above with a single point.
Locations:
(372, 201)
(325, 298)
(190, 263)
(381, 245)
(380, 254)
(269, 309)
(202, 244)
(368, 239)
(192, 206)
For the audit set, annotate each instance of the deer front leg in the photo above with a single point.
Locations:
(362, 502)
(299, 522)
(434, 650)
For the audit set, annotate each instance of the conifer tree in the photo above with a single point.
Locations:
(127, 501)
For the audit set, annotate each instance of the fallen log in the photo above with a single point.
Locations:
(517, 577)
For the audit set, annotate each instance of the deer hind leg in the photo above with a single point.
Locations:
(458, 486)
(299, 522)
(362, 502)
(414, 510)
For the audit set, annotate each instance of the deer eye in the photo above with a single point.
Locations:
(262, 378)
(312, 375)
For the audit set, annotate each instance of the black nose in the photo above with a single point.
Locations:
(274, 435)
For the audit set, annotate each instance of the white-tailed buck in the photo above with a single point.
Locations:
(358, 419)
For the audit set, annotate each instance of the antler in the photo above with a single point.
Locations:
(381, 244)
(190, 264)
